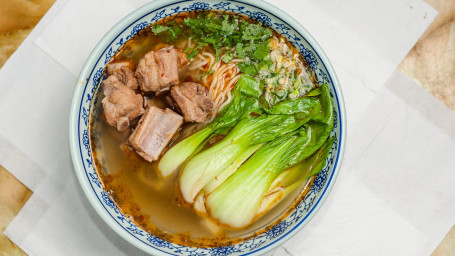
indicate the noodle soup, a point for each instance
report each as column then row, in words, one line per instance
column 266, row 105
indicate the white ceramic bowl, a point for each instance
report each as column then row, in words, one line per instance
column 87, row 86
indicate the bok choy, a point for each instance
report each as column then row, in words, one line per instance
column 275, row 170
column 290, row 179
column 266, row 153
column 203, row 167
column 237, row 202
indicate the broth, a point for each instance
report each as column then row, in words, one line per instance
column 151, row 201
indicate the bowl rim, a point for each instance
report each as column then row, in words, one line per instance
column 96, row 55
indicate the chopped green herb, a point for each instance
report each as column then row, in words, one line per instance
column 239, row 49
column 217, row 54
column 209, row 40
column 261, row 52
column 193, row 53
column 220, row 31
column 187, row 50
column 210, row 71
column 158, row 28
column 249, row 69
column 174, row 32
column 167, row 33
column 228, row 27
column 228, row 57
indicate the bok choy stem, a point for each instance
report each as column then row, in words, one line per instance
column 205, row 166
column 236, row 201
column 218, row 180
column 290, row 179
column 275, row 197
column 175, row 156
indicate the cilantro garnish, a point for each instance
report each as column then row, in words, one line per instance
column 228, row 57
column 158, row 28
column 219, row 31
column 168, row 33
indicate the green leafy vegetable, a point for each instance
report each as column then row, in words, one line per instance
column 302, row 105
column 175, row 156
column 249, row 69
column 239, row 50
column 242, row 197
column 261, row 52
column 203, row 167
column 315, row 92
column 158, row 28
column 228, row 57
column 237, row 200
column 218, row 180
column 292, row 178
column 249, row 86
column 259, row 183
column 168, row 33
column 326, row 113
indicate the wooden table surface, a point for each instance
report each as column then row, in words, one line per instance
column 431, row 63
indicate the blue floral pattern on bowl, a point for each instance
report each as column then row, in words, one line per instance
column 93, row 74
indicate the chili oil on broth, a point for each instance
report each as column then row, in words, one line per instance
column 152, row 202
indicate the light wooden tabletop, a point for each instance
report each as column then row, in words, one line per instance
column 431, row 63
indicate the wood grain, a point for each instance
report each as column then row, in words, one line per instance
column 432, row 60
column 431, row 63
column 13, row 195
column 17, row 19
